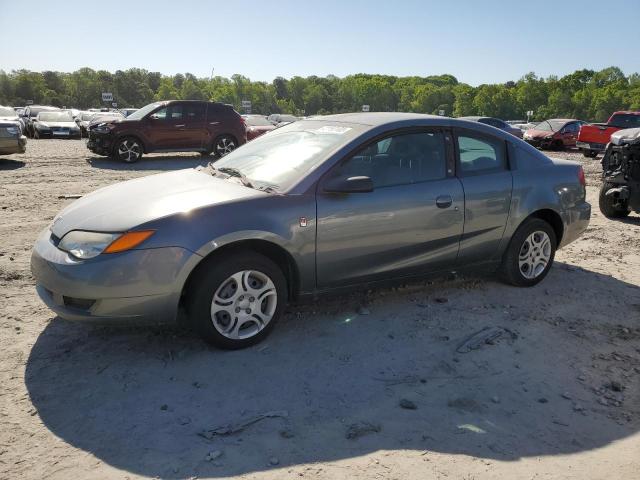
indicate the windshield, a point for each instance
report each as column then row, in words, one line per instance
column 282, row 158
column 138, row 114
column 7, row 112
column 550, row 126
column 625, row 120
column 55, row 117
column 257, row 122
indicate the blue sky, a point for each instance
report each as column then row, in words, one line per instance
column 482, row 41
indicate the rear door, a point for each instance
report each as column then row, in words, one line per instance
column 483, row 168
column 410, row 223
column 195, row 124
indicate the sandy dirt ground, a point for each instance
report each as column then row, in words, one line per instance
column 369, row 385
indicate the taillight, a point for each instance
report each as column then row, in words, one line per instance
column 581, row 178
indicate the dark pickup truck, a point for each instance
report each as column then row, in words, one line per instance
column 594, row 137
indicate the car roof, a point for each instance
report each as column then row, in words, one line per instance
column 566, row 120
column 376, row 118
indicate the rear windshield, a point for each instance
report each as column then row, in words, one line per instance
column 55, row 117
column 625, row 120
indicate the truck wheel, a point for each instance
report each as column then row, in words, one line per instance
column 590, row 153
column 610, row 206
column 234, row 302
column 530, row 253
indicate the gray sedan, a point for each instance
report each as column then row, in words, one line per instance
column 319, row 206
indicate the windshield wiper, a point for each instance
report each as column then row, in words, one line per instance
column 234, row 172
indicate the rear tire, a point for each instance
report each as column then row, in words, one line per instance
column 224, row 145
column 530, row 253
column 235, row 301
column 609, row 207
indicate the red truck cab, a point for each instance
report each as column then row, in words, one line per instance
column 593, row 137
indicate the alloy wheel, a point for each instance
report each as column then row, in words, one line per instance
column 224, row 146
column 129, row 151
column 244, row 304
column 535, row 254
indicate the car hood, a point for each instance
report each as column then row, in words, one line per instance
column 57, row 124
column 125, row 205
column 533, row 133
column 629, row 136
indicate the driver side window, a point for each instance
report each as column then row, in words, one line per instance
column 399, row 160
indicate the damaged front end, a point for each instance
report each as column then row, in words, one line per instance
column 620, row 192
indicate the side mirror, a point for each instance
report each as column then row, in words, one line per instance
column 349, row 185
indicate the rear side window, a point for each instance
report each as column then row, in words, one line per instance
column 195, row 112
column 479, row 154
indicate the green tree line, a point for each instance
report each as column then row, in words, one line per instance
column 584, row 94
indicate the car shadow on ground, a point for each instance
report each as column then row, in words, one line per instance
column 139, row 398
column 155, row 162
column 9, row 164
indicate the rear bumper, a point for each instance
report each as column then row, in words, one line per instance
column 9, row 146
column 138, row 284
column 576, row 221
column 598, row 147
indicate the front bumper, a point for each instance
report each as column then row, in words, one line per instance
column 597, row 147
column 100, row 143
column 138, row 284
column 541, row 143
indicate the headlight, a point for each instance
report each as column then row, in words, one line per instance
column 102, row 128
column 87, row 245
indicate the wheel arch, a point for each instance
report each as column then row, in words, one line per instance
column 276, row 253
column 120, row 136
column 553, row 218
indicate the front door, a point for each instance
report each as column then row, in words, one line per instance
column 483, row 169
column 410, row 223
column 167, row 128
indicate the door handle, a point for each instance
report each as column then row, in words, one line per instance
column 181, row 126
column 444, row 201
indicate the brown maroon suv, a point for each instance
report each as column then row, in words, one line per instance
column 170, row 126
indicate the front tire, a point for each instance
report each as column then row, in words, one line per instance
column 128, row 150
column 609, row 205
column 234, row 302
column 530, row 253
column 590, row 153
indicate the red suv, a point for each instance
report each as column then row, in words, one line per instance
column 170, row 126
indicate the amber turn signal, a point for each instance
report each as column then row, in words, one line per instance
column 128, row 240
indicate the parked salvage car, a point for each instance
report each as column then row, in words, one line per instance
column 257, row 125
column 319, row 206
column 280, row 119
column 594, row 137
column 170, row 126
column 54, row 124
column 554, row 134
column 85, row 119
column 30, row 114
column 8, row 114
column 620, row 191
column 11, row 138
column 496, row 122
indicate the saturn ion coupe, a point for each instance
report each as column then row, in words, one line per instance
column 319, row 206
